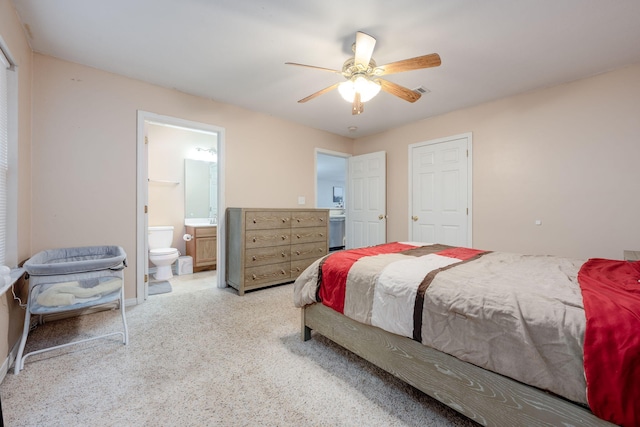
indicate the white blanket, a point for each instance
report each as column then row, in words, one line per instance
column 70, row 293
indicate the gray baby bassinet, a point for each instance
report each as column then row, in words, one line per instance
column 70, row 279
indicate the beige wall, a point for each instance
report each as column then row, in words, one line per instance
column 84, row 155
column 567, row 155
column 11, row 315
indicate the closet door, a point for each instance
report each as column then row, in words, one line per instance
column 440, row 191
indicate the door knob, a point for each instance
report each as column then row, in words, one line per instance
column 380, row 216
column 415, row 218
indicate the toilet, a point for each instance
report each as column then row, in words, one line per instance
column 161, row 254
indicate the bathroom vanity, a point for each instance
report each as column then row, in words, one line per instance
column 202, row 247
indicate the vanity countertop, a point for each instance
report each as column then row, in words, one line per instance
column 199, row 222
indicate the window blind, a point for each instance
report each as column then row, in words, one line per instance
column 4, row 158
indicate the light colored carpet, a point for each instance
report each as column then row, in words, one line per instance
column 208, row 357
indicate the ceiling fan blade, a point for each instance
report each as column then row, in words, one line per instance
column 318, row 93
column 358, row 106
column 313, row 66
column 424, row 61
column 364, row 49
column 399, row 91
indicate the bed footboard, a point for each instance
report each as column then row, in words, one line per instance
column 485, row 397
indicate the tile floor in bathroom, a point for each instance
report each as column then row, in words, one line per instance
column 191, row 282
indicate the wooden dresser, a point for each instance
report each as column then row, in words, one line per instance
column 202, row 247
column 272, row 246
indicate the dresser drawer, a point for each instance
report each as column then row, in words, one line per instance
column 276, row 273
column 313, row 250
column 306, row 235
column 268, row 255
column 309, row 219
column 260, row 220
column 297, row 267
column 262, row 238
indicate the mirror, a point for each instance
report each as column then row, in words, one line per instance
column 201, row 189
column 338, row 194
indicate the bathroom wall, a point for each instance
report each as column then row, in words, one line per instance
column 168, row 147
column 331, row 172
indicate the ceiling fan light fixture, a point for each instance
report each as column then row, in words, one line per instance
column 366, row 87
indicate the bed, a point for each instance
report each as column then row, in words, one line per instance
column 504, row 339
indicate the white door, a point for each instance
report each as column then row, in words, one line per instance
column 440, row 191
column 367, row 200
column 142, row 288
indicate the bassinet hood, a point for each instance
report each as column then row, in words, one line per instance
column 76, row 260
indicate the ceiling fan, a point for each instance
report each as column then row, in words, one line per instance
column 362, row 75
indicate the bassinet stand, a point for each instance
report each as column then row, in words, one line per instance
column 86, row 266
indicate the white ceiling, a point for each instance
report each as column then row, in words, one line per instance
column 233, row 51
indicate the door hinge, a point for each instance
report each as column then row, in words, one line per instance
column 146, row 209
column 467, row 153
column 146, row 278
column 467, row 211
column 146, row 139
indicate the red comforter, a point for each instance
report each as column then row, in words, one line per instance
column 611, row 296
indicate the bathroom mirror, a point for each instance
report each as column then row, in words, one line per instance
column 338, row 194
column 201, row 189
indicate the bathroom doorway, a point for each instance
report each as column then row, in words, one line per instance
column 163, row 196
column 331, row 193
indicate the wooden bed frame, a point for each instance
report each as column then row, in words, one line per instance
column 483, row 396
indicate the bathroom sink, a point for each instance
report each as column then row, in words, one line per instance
column 200, row 222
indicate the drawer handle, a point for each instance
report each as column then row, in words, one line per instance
column 284, row 237
column 283, row 255
column 297, row 252
column 298, row 236
column 321, row 235
column 320, row 250
column 298, row 219
column 283, row 272
column 255, row 221
column 284, row 220
column 254, row 276
column 254, row 240
column 321, row 219
column 254, row 258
